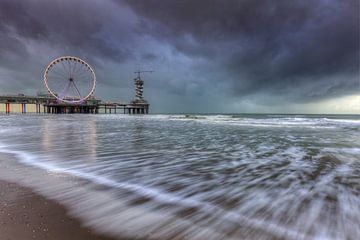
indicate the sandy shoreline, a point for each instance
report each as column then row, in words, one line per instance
column 40, row 204
column 26, row 215
column 36, row 203
column 78, row 206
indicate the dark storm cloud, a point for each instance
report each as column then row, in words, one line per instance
column 263, row 52
column 271, row 47
column 73, row 26
column 34, row 32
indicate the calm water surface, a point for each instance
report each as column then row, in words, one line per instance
column 237, row 176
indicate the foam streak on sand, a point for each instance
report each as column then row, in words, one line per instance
column 156, row 194
column 26, row 215
column 194, row 177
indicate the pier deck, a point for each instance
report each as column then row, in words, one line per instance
column 49, row 105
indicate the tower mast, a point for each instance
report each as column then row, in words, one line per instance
column 139, row 86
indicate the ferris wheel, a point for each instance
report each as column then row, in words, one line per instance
column 70, row 79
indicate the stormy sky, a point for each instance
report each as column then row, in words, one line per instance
column 213, row 56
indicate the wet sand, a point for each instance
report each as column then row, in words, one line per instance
column 26, row 215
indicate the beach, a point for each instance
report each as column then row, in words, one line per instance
column 27, row 215
column 180, row 176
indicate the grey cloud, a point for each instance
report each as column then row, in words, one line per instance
column 264, row 46
column 71, row 26
column 259, row 51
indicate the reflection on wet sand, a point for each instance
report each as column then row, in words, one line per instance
column 77, row 140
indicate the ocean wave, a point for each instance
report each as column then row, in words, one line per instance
column 158, row 196
column 102, row 208
column 277, row 121
column 168, row 176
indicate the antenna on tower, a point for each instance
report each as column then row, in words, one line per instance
column 139, row 73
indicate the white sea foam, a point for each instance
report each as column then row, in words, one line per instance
column 266, row 123
column 166, row 176
column 101, row 208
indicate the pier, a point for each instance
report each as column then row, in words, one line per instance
column 76, row 94
column 48, row 105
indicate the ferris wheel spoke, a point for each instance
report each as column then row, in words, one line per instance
column 72, row 65
column 56, row 85
column 75, row 68
column 69, row 65
column 77, row 90
column 57, row 77
column 79, row 69
column 82, row 71
column 57, row 73
column 74, row 92
column 86, row 80
column 70, row 68
column 65, row 91
column 66, row 70
column 82, row 76
column 83, row 80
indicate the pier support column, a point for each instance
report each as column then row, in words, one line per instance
column 23, row 107
column 7, row 108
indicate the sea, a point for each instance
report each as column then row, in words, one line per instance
column 225, row 176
